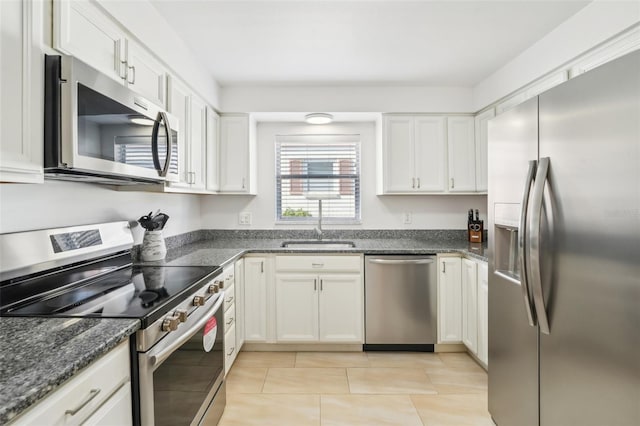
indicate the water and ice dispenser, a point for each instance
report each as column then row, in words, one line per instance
column 506, row 231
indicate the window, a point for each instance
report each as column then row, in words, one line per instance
column 309, row 167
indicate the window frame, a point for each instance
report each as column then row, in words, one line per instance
column 353, row 140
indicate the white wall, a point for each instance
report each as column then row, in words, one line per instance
column 592, row 25
column 378, row 212
column 346, row 99
column 54, row 204
column 143, row 20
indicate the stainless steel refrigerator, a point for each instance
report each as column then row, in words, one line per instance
column 564, row 254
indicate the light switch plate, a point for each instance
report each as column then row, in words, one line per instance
column 244, row 218
column 406, row 218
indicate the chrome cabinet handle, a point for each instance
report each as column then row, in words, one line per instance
column 453, row 183
column 133, row 69
column 243, row 183
column 229, row 300
column 535, row 223
column 418, row 183
column 123, row 76
column 317, row 265
column 92, row 394
column 321, row 281
column 262, row 267
column 402, row 261
column 231, row 351
column 230, row 321
column 444, row 267
column 524, row 281
column 413, row 183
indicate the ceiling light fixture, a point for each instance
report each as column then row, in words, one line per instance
column 141, row 120
column 318, row 118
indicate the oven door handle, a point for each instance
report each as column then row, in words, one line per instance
column 157, row 356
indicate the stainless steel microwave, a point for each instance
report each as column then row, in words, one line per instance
column 97, row 130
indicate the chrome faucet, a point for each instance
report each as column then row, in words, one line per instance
column 318, row 229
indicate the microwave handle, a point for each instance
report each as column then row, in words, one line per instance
column 162, row 171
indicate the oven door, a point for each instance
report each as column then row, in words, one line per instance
column 181, row 380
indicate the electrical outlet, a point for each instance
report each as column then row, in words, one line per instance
column 406, row 218
column 244, row 218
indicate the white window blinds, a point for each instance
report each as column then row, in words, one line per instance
column 312, row 166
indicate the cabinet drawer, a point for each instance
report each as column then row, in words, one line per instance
column 85, row 392
column 229, row 297
column 229, row 318
column 230, row 345
column 318, row 263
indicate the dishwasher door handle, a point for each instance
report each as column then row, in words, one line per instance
column 402, row 261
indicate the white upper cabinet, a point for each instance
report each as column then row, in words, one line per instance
column 198, row 144
column 145, row 74
column 82, row 30
column 413, row 154
column 429, row 153
column 237, row 154
column 213, row 150
column 482, row 159
column 462, row 154
column 179, row 106
column 21, row 85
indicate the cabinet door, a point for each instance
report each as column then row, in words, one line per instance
column 470, row 305
column 229, row 348
column 483, row 312
column 482, row 161
column 179, row 105
column 462, row 154
column 398, row 154
column 239, row 284
column 449, row 300
column 83, row 31
column 429, row 154
column 197, row 148
column 297, row 307
column 21, row 82
column 340, row 309
column 213, row 150
column 116, row 411
column 255, row 299
column 234, row 153
column 146, row 75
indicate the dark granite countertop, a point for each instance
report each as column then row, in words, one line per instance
column 37, row 355
column 223, row 251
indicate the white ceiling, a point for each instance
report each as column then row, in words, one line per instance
column 359, row 42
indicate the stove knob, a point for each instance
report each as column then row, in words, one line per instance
column 198, row 301
column 170, row 323
column 213, row 288
column 181, row 314
column 220, row 283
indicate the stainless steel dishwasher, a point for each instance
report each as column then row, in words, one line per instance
column 400, row 302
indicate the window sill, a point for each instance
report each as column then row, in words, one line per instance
column 315, row 222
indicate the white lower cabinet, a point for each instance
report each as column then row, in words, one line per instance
column 255, row 299
column 98, row 395
column 470, row 305
column 318, row 304
column 483, row 312
column 449, row 300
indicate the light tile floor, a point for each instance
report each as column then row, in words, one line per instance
column 356, row 388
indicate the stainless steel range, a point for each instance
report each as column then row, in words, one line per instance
column 86, row 271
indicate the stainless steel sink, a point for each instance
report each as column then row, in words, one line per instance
column 319, row 244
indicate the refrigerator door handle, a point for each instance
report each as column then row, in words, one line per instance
column 535, row 223
column 524, row 280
